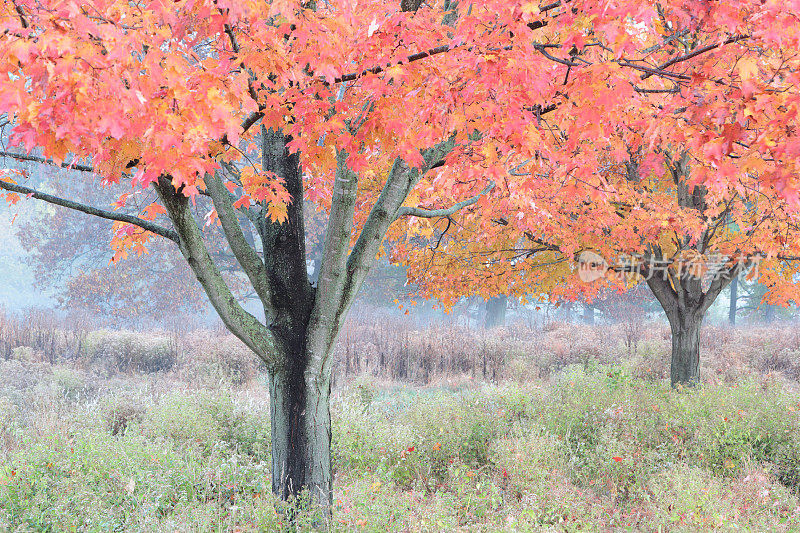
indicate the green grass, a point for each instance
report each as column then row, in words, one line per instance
column 593, row 449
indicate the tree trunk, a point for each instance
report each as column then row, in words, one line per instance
column 685, row 311
column 733, row 302
column 496, row 311
column 588, row 315
column 301, row 436
column 685, row 367
column 769, row 313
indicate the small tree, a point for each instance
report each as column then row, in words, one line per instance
column 693, row 158
column 685, row 241
column 630, row 309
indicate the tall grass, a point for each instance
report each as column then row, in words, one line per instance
column 595, row 449
column 439, row 428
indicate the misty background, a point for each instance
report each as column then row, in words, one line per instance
column 56, row 259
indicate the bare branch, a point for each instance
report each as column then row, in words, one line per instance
column 89, row 210
column 535, row 25
column 694, row 53
column 377, row 70
column 433, row 213
column 326, row 313
column 673, row 90
column 241, row 323
column 653, row 71
column 543, row 50
column 246, row 124
column 399, row 183
column 23, row 20
column 246, row 256
column 435, row 51
column 26, row 157
column 721, row 280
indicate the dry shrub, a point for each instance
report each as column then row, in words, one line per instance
column 731, row 353
column 395, row 349
column 119, row 412
column 26, row 354
column 45, row 337
column 210, row 357
column 129, row 351
column 22, row 375
column 756, row 488
column 71, row 384
column 571, row 344
column 786, row 362
column 653, row 365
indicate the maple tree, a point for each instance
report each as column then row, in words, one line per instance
column 392, row 121
column 690, row 169
column 686, row 241
column 69, row 253
column 687, row 244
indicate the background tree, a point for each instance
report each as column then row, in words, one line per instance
column 753, row 300
column 686, row 242
column 70, row 253
column 733, row 301
column 496, row 311
column 701, row 162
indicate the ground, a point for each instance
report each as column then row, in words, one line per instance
column 156, row 432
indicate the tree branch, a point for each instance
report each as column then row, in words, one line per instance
column 89, row 210
column 694, row 53
column 435, row 51
column 433, row 213
column 325, row 317
column 377, row 70
column 665, row 295
column 26, row 157
column 399, row 183
column 245, row 255
column 653, row 71
column 721, row 280
column 246, row 124
column 23, row 20
column 245, row 326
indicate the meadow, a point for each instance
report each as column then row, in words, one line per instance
column 566, row 427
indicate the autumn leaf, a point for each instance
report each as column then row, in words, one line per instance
column 152, row 211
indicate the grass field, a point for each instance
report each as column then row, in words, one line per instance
column 598, row 443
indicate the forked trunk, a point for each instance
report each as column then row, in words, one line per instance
column 685, row 367
column 685, row 311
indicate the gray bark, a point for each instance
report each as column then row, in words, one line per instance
column 685, row 304
column 301, row 438
column 734, row 301
column 496, row 311
column 685, row 363
column 685, row 316
column 241, row 323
